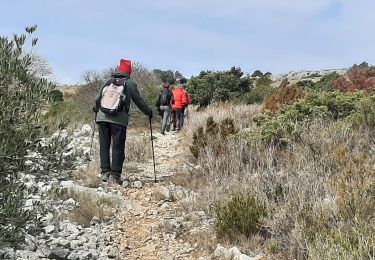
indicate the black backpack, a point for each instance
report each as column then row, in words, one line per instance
column 165, row 97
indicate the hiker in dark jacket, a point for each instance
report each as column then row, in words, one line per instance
column 114, row 126
column 163, row 105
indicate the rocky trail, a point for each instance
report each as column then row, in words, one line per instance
column 84, row 218
column 162, row 220
column 159, row 221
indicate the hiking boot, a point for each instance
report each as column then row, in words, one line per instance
column 105, row 176
column 116, row 177
column 115, row 180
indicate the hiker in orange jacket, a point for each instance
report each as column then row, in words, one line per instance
column 179, row 100
column 181, row 83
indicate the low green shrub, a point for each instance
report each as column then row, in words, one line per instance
column 313, row 75
column 305, row 84
column 56, row 96
column 150, row 94
column 13, row 215
column 214, row 86
column 256, row 95
column 364, row 116
column 24, row 99
column 239, row 215
column 332, row 106
column 325, row 84
column 68, row 113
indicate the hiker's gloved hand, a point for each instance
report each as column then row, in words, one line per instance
column 150, row 115
column 95, row 109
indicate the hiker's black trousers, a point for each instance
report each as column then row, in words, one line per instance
column 117, row 134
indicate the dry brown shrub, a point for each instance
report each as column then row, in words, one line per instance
column 138, row 146
column 354, row 184
column 242, row 116
column 357, row 78
column 214, row 133
column 192, row 180
column 204, row 241
column 89, row 175
column 89, row 206
column 284, row 95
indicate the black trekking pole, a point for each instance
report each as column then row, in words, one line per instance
column 92, row 140
column 153, row 152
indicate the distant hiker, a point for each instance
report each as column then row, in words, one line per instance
column 163, row 105
column 179, row 100
column 112, row 106
column 182, row 83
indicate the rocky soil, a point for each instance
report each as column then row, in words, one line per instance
column 306, row 74
column 145, row 220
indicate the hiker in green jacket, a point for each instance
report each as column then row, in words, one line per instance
column 112, row 105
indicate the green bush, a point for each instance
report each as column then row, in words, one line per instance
column 333, row 106
column 305, row 84
column 257, row 73
column 239, row 215
column 256, row 95
column 365, row 113
column 263, row 81
column 13, row 215
column 324, row 84
column 57, row 96
column 211, row 86
column 67, row 114
column 167, row 75
column 23, row 99
column 150, row 95
column 313, row 75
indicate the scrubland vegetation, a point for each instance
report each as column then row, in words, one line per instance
column 288, row 171
column 294, row 176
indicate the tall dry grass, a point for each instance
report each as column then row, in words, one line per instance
column 90, row 206
column 138, row 145
column 314, row 189
column 241, row 114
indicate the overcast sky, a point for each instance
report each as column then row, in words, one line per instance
column 190, row 36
